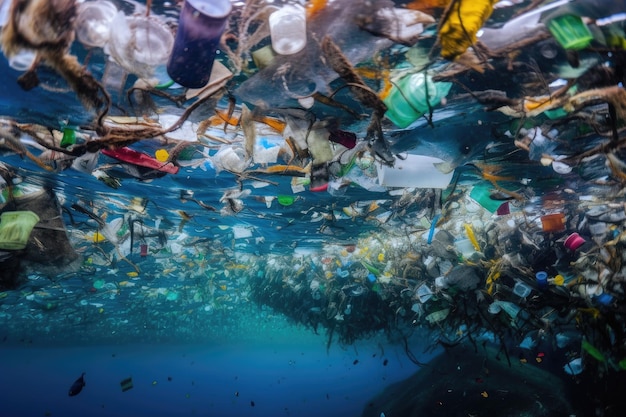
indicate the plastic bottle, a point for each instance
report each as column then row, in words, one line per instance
column 412, row 96
column 200, row 28
column 288, row 30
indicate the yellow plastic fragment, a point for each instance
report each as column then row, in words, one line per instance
column 97, row 237
column 132, row 274
column 471, row 236
column 460, row 24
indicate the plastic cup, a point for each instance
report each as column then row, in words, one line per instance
column 200, row 28
column 573, row 241
column 288, row 30
column 553, row 222
column 570, row 32
column 138, row 44
column 93, row 23
column 15, row 229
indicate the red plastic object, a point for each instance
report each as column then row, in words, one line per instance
column 573, row 241
column 503, row 209
column 319, row 188
column 140, row 159
column 347, row 139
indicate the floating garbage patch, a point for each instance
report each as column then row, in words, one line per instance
column 169, row 171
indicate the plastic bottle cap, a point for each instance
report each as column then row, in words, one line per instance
column 604, row 299
column 573, row 241
column 542, row 279
column 162, row 155
column 285, row 200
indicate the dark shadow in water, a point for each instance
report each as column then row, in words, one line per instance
column 462, row 383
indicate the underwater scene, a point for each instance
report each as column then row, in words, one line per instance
column 371, row 208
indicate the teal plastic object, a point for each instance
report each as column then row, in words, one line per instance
column 480, row 193
column 15, row 229
column 410, row 97
column 570, row 32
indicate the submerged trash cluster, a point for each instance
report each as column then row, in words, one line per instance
column 375, row 168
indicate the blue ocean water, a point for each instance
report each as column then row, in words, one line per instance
column 281, row 375
column 270, row 270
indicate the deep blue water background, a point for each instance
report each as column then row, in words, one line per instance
column 287, row 375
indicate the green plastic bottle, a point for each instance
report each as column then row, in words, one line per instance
column 410, row 97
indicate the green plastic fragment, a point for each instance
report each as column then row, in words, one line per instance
column 592, row 350
column 286, row 200
column 622, row 364
column 371, row 268
column 69, row 137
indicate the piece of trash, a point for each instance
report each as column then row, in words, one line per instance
column 126, row 384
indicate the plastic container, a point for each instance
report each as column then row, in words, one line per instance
column 22, row 60
column 542, row 279
column 521, row 290
column 200, row 28
column 553, row 222
column 570, row 32
column 416, row 171
column 573, row 241
column 288, row 30
column 139, row 44
column 465, row 247
column 15, row 229
column 93, row 23
column 410, row 97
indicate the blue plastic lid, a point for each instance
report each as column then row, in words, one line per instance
column 371, row 277
column 604, row 299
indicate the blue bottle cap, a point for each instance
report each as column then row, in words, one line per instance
column 542, row 279
column 604, row 299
